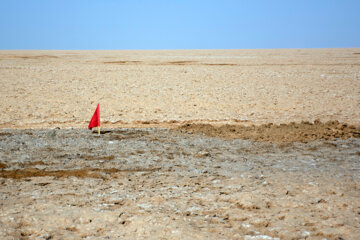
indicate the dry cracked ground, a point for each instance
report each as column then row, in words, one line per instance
column 174, row 184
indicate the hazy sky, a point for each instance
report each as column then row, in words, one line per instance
column 178, row 24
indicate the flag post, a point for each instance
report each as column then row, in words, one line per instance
column 99, row 130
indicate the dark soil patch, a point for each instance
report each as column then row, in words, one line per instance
column 91, row 157
column 5, row 134
column 123, row 134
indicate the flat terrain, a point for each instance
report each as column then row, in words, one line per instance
column 166, row 184
column 62, row 88
column 200, row 144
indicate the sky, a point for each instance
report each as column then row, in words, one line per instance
column 179, row 24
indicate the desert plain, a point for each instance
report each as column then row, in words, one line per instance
column 195, row 144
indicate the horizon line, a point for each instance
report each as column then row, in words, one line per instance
column 175, row 49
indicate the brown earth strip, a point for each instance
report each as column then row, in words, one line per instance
column 283, row 133
column 122, row 62
column 182, row 63
column 221, row 64
column 27, row 56
column 5, row 134
column 80, row 173
column 90, row 157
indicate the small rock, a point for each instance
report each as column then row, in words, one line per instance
column 259, row 237
column 305, row 234
column 51, row 133
column 202, row 154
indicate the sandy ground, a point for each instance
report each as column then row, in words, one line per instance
column 62, row 88
column 227, row 144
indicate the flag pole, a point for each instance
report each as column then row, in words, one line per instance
column 99, row 130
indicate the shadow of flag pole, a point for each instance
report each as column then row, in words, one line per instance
column 95, row 120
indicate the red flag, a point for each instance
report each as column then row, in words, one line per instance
column 95, row 120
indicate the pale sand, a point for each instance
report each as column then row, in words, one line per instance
column 61, row 88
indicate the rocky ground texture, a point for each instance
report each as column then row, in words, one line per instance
column 157, row 183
